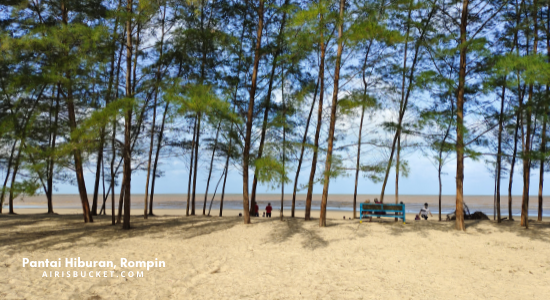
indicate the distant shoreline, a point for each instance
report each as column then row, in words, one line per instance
column 336, row 202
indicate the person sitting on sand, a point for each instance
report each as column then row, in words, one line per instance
column 417, row 218
column 424, row 211
column 263, row 216
column 268, row 210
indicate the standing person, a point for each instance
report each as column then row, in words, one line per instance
column 424, row 211
column 256, row 209
column 268, row 210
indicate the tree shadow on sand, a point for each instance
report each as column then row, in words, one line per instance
column 290, row 227
column 537, row 230
column 47, row 232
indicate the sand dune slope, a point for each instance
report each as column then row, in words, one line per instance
column 220, row 258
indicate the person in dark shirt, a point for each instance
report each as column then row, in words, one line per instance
column 256, row 209
column 268, row 210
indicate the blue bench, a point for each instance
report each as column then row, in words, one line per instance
column 374, row 210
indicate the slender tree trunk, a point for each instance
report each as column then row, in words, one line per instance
column 283, row 147
column 211, row 166
column 267, row 107
column 113, row 149
column 154, row 116
column 225, row 176
column 460, row 119
column 499, row 153
column 51, row 159
column 79, row 171
column 543, row 145
column 196, row 163
column 405, row 95
column 159, row 143
column 121, row 199
column 13, row 176
column 4, row 186
column 527, row 147
column 328, row 164
column 113, row 138
column 249, row 116
column 264, row 130
column 397, row 170
column 215, row 190
column 357, row 165
column 321, row 79
column 191, row 167
column 304, row 139
column 98, row 171
column 152, row 140
column 440, row 166
column 128, row 120
column 541, row 174
column 512, row 164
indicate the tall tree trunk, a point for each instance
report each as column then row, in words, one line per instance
column 267, row 106
column 159, row 143
column 121, row 197
column 22, row 137
column 51, row 163
column 128, row 120
column 357, row 166
column 499, row 151
column 543, row 145
column 191, row 167
column 113, row 136
column 527, row 147
column 440, row 165
column 13, row 176
column 8, row 172
column 321, row 79
column 249, row 116
column 512, row 164
column 264, row 129
column 225, row 175
column 211, row 166
column 98, row 171
column 541, row 174
column 79, row 171
column 215, row 190
column 460, row 119
column 283, row 147
column 154, row 115
column 196, row 163
column 113, row 149
column 304, row 139
column 328, row 164
column 405, row 95
column 397, row 170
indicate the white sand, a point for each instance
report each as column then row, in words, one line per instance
column 214, row 258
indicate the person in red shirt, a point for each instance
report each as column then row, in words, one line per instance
column 268, row 210
column 256, row 209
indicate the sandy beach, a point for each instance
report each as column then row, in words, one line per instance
column 215, row 258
